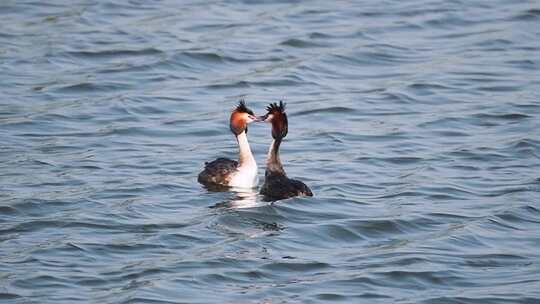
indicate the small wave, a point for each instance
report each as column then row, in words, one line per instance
column 331, row 297
column 451, row 133
column 204, row 56
column 275, row 82
column 289, row 81
column 494, row 43
column 500, row 88
column 493, row 260
column 296, row 266
column 520, row 216
column 229, row 85
column 525, row 64
column 299, row 43
column 8, row 210
column 496, row 224
column 398, row 97
column 131, row 68
column 474, row 155
column 449, row 216
column 464, row 34
column 421, row 279
column 88, row 87
column 106, row 123
column 8, row 296
column 319, row 35
column 477, row 299
column 34, row 207
column 42, row 282
column 427, row 88
column 376, row 228
column 329, row 110
column 339, row 233
column 403, row 160
column 196, row 58
column 449, row 22
column 504, row 116
column 525, row 144
column 114, row 53
column 367, row 58
column 528, row 15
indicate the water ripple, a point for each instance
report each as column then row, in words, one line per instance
column 413, row 122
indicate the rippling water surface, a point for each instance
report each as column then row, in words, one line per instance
column 416, row 124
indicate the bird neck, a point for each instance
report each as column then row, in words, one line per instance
column 273, row 163
column 246, row 157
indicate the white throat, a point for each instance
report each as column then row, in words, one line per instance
column 246, row 174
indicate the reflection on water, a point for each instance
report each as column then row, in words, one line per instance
column 242, row 198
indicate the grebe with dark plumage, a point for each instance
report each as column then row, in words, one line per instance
column 230, row 173
column 276, row 184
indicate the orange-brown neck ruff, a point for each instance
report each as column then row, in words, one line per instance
column 280, row 125
column 238, row 123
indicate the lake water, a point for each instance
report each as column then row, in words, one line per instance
column 415, row 123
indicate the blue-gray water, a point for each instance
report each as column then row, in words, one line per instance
column 415, row 123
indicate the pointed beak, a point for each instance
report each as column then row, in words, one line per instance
column 262, row 118
column 255, row 118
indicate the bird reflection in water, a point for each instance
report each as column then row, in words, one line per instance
column 241, row 198
column 244, row 199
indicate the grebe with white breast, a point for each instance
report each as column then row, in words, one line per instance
column 230, row 173
column 276, row 184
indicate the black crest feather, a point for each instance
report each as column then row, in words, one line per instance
column 243, row 108
column 280, row 124
column 274, row 107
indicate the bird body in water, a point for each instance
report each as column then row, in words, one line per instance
column 276, row 183
column 224, row 172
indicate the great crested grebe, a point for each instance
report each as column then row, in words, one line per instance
column 276, row 183
column 230, row 173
